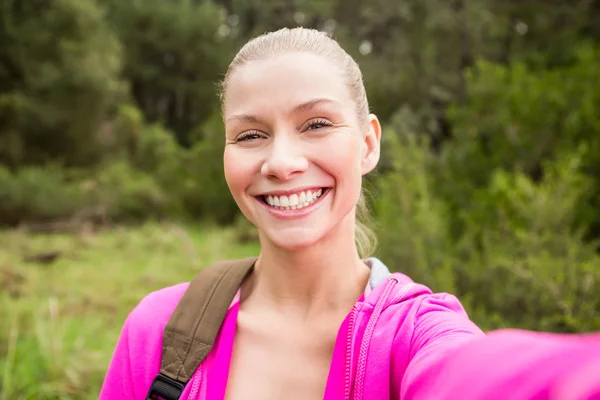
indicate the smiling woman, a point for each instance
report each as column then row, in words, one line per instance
column 292, row 126
column 315, row 318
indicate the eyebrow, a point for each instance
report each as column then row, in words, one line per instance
column 309, row 105
column 250, row 119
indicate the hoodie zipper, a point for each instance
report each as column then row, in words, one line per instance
column 366, row 341
column 196, row 383
column 402, row 292
column 348, row 381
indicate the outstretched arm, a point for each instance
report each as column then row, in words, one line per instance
column 448, row 362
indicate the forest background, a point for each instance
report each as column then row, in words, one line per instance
column 111, row 181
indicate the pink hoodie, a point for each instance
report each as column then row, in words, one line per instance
column 400, row 341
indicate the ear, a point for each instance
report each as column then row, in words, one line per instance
column 371, row 145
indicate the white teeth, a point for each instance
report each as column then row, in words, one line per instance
column 302, row 198
column 294, row 201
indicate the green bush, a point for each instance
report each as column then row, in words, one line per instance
column 532, row 266
column 413, row 227
column 192, row 178
column 112, row 193
column 37, row 194
column 520, row 260
column 119, row 192
column 517, row 119
column 505, row 215
column 205, row 191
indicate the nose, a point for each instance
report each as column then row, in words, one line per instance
column 285, row 159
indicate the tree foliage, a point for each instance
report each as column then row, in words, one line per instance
column 59, row 77
column 489, row 184
column 175, row 55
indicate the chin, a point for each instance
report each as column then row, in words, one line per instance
column 293, row 240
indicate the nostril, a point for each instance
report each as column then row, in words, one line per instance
column 284, row 166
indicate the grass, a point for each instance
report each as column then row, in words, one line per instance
column 59, row 320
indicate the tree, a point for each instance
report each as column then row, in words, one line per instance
column 175, row 56
column 59, row 77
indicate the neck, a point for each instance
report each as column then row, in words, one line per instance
column 328, row 276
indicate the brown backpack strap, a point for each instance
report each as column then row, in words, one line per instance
column 193, row 326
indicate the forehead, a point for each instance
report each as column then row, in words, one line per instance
column 282, row 82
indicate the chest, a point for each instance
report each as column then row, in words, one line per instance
column 278, row 360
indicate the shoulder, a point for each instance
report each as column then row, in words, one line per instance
column 428, row 317
column 137, row 355
column 142, row 332
column 440, row 325
column 416, row 329
column 414, row 311
column 155, row 309
column 423, row 301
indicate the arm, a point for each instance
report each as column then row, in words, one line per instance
column 118, row 383
column 448, row 362
column 441, row 326
column 137, row 356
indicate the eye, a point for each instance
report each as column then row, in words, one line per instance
column 317, row 124
column 248, row 136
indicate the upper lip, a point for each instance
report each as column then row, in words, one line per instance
column 291, row 191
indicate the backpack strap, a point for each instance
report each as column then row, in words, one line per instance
column 191, row 331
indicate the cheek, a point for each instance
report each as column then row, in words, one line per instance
column 343, row 156
column 237, row 174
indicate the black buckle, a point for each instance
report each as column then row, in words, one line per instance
column 165, row 388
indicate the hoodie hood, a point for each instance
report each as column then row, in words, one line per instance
column 404, row 286
column 387, row 300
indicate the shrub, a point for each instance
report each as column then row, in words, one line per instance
column 120, row 192
column 413, row 224
column 115, row 192
column 206, row 192
column 37, row 194
column 518, row 119
column 532, row 266
column 520, row 261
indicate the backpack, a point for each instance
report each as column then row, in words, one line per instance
column 192, row 328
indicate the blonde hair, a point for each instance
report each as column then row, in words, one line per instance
column 312, row 41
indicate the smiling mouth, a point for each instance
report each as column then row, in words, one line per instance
column 295, row 201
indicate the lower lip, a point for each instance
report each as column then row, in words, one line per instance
column 298, row 213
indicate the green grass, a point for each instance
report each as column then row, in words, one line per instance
column 59, row 321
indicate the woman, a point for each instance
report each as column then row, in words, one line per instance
column 315, row 319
